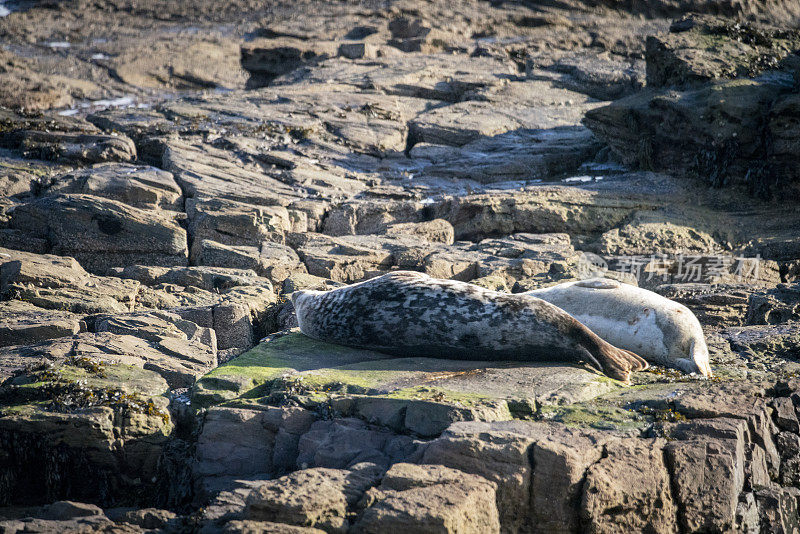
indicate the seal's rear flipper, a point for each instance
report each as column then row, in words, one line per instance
column 590, row 359
column 614, row 362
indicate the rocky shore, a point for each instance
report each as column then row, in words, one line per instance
column 170, row 172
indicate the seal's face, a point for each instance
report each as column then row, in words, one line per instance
column 300, row 301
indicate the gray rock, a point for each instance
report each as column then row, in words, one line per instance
column 354, row 258
column 179, row 364
column 62, row 510
column 778, row 509
column 543, row 210
column 778, row 305
column 271, row 260
column 713, row 304
column 740, row 402
column 700, row 48
column 194, row 346
column 266, row 59
column 203, row 171
column 420, row 76
column 704, row 475
column 75, row 147
column 238, row 443
column 602, row 76
column 265, row 527
column 148, row 518
column 60, row 283
column 522, row 154
column 91, row 412
column 539, row 468
column 235, row 223
column 343, row 443
column 135, row 185
column 786, row 415
column 23, row 178
column 102, row 233
column 82, row 524
column 208, row 278
column 688, row 130
column 465, row 122
column 23, row 323
column 435, row 231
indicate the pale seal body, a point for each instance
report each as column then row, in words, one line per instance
column 411, row 314
column 660, row 330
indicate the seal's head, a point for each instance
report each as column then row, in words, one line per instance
column 300, row 300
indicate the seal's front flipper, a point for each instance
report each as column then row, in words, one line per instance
column 699, row 359
column 598, row 283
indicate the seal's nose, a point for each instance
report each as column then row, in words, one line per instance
column 297, row 296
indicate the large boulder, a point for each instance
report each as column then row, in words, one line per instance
column 719, row 122
column 60, row 421
column 701, row 48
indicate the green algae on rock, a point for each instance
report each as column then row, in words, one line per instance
column 420, row 395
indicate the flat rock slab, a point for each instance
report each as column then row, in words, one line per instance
column 178, row 363
column 422, row 395
column 136, row 185
column 352, row 258
column 22, row 323
column 60, row 283
column 269, row 361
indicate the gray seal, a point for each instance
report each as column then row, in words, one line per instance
column 410, row 314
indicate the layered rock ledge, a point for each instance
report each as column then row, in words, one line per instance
column 171, row 172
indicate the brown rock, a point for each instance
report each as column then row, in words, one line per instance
column 629, row 489
column 60, row 283
column 312, row 497
column 74, row 147
column 704, row 477
column 430, row 498
column 138, row 186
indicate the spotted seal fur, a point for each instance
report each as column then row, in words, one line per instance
column 660, row 330
column 411, row 314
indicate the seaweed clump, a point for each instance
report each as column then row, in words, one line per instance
column 665, row 415
column 74, row 396
column 46, row 384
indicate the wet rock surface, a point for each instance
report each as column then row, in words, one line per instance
column 155, row 220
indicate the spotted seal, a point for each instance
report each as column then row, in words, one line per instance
column 655, row 327
column 411, row 314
